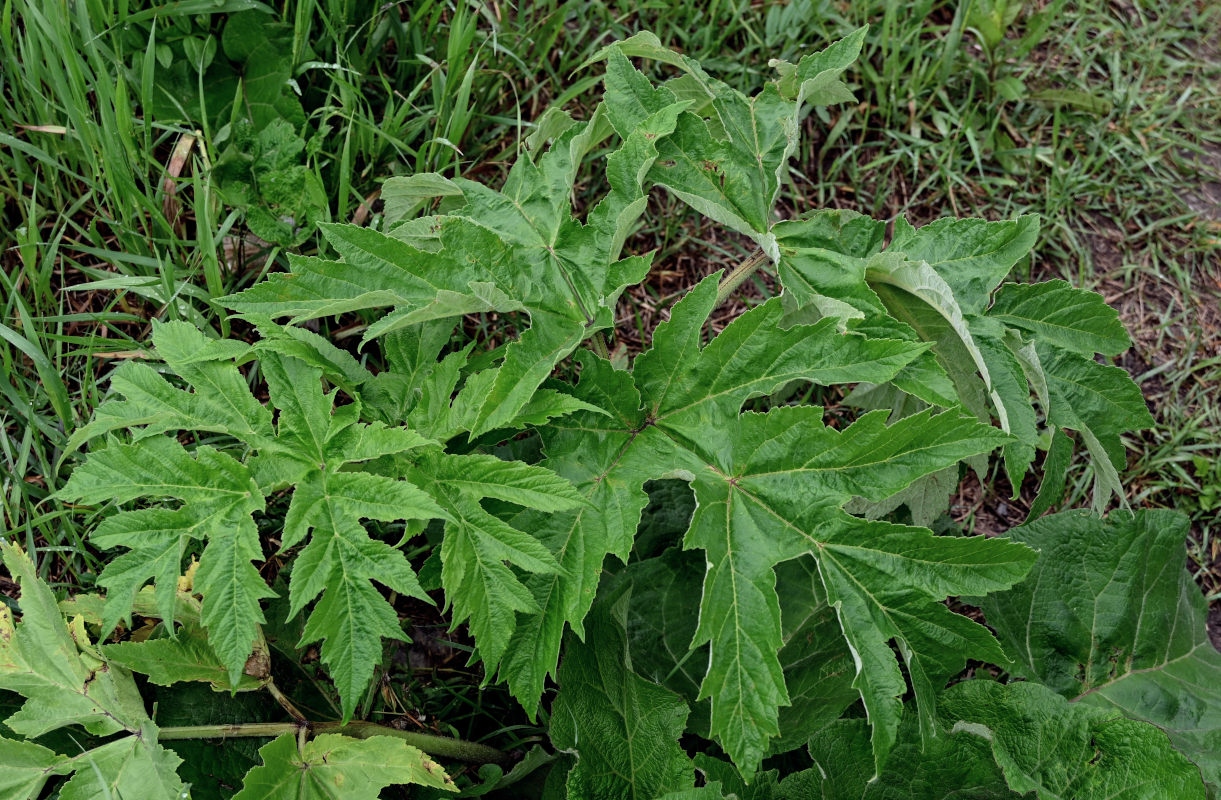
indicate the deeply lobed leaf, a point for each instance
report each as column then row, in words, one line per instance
column 759, row 505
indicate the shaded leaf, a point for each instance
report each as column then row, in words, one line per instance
column 1110, row 617
column 1059, row 750
column 623, row 729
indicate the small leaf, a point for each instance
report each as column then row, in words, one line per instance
column 25, row 768
column 971, row 255
column 41, row 661
column 64, row 681
column 188, row 657
column 1100, row 403
column 134, row 766
column 1060, row 315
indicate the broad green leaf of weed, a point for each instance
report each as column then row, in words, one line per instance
column 936, row 769
column 660, row 624
column 478, row 547
column 338, row 366
column 518, row 249
column 263, row 171
column 312, row 448
column 331, row 767
column 917, row 295
column 134, row 766
column 25, row 768
column 1006, row 742
column 823, row 260
column 728, row 166
column 1110, row 617
column 1100, row 403
column 1064, row 317
column 934, row 284
column 1012, row 390
column 221, row 401
column 315, row 443
column 769, row 488
column 42, row 662
column 817, row 663
column 1061, row 750
column 218, row 494
column 972, row 256
column 166, row 661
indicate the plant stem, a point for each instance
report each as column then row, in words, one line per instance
column 439, row 746
column 600, row 345
column 739, row 274
column 243, row 729
column 285, row 703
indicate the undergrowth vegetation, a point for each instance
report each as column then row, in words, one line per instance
column 508, row 402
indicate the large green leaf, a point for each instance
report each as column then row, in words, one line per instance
column 221, row 401
column 815, row 658
column 1110, row 617
column 610, row 457
column 218, row 496
column 313, row 447
column 41, row 661
column 318, row 444
column 954, row 766
column 1002, row 742
column 1060, row 315
column 25, row 768
column 1098, row 402
column 660, row 624
column 818, row 665
column 769, row 488
column 479, row 547
column 518, row 249
column 186, row 657
column 934, row 284
column 134, row 766
column 331, row 767
column 972, row 256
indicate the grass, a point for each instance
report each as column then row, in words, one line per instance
column 1103, row 118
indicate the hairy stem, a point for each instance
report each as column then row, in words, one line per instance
column 439, row 746
column 739, row 274
column 600, row 345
